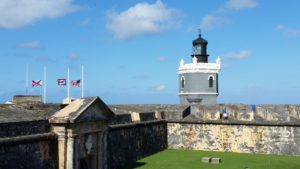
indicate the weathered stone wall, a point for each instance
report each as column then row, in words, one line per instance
column 168, row 111
column 288, row 114
column 242, row 138
column 266, row 129
column 121, row 119
column 277, row 113
column 38, row 154
column 27, row 99
column 27, row 144
column 24, row 128
column 128, row 143
column 147, row 116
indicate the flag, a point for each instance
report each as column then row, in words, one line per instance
column 36, row 83
column 62, row 82
column 75, row 83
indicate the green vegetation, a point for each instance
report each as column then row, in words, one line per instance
column 190, row 159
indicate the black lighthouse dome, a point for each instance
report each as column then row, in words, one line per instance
column 199, row 41
column 199, row 49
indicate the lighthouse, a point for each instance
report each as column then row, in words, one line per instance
column 198, row 80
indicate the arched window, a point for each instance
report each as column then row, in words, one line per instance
column 211, row 82
column 182, row 82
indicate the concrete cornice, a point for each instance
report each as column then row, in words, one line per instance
column 196, row 67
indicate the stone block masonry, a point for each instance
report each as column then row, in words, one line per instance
column 24, row 128
column 212, row 160
column 131, row 142
column 241, row 138
column 27, row 99
column 33, row 152
column 265, row 129
column 205, row 159
column 215, row 160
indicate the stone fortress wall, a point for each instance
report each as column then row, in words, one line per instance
column 137, row 131
column 28, row 144
column 131, row 142
column 264, row 129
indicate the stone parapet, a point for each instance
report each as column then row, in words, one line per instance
column 256, row 114
column 162, row 111
column 27, row 99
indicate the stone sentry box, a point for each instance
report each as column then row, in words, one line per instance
column 82, row 128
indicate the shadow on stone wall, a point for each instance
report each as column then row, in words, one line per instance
column 33, row 155
column 131, row 142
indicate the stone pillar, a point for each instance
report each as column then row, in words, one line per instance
column 158, row 115
column 100, row 153
column 61, row 150
column 135, row 116
column 104, row 148
column 70, row 150
column 76, row 153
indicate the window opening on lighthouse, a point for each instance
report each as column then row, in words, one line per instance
column 211, row 82
column 182, row 82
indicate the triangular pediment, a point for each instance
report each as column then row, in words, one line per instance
column 83, row 110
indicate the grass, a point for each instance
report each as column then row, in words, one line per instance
column 191, row 159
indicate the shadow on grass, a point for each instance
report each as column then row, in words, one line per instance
column 134, row 165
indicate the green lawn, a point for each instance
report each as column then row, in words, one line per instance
column 190, row 159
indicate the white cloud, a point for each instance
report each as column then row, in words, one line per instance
column 160, row 88
column 218, row 18
column 19, row 13
column 237, row 55
column 86, row 21
column 143, row 18
column 162, row 59
column 29, row 45
column 211, row 21
column 73, row 56
column 240, row 4
column 288, row 32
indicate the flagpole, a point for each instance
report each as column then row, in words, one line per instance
column 45, row 83
column 82, row 72
column 68, row 83
column 26, row 81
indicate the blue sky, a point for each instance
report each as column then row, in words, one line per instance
column 131, row 49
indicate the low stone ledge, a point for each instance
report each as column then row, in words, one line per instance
column 216, row 160
column 231, row 122
column 205, row 159
column 27, row 138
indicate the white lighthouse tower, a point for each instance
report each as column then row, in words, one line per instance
column 198, row 81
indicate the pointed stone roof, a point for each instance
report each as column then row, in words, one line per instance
column 84, row 109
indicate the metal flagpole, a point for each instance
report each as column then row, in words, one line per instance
column 68, row 83
column 27, row 81
column 82, row 89
column 45, row 83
